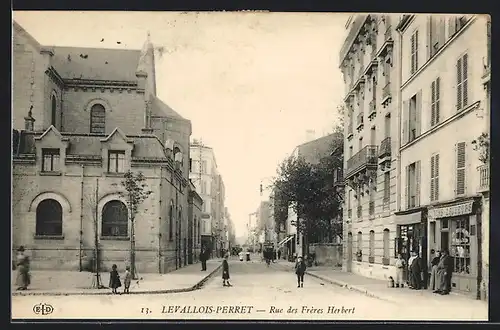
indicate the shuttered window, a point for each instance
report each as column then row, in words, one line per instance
column 460, row 188
column 435, row 98
column 414, row 53
column 462, row 84
column 434, row 178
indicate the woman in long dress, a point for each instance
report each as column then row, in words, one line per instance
column 225, row 272
column 434, row 263
column 23, row 268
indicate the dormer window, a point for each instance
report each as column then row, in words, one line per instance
column 51, row 160
column 116, row 161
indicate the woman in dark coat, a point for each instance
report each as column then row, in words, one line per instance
column 114, row 279
column 23, row 270
column 225, row 272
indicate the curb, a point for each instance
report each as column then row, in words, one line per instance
column 197, row 286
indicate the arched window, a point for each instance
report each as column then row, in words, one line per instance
column 53, row 110
column 385, row 260
column 114, row 219
column 371, row 255
column 170, row 220
column 98, row 119
column 49, row 218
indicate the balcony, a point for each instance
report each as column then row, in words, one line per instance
column 386, row 94
column 484, row 178
column 364, row 159
column 360, row 121
column 372, row 109
column 386, row 48
column 359, row 211
column 371, row 208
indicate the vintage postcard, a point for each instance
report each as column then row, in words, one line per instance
column 250, row 165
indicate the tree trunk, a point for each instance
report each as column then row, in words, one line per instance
column 132, row 250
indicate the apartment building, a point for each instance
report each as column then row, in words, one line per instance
column 210, row 186
column 444, row 107
column 368, row 62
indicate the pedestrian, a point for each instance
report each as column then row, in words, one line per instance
column 23, row 279
column 300, row 269
column 415, row 272
column 127, row 280
column 203, row 259
column 434, row 263
column 443, row 273
column 114, row 279
column 400, row 268
column 279, row 254
column 225, row 272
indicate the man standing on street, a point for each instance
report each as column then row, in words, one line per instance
column 203, row 259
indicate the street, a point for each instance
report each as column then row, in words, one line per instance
column 258, row 292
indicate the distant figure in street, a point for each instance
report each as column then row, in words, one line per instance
column 114, row 279
column 443, row 273
column 434, row 268
column 203, row 259
column 415, row 271
column 279, row 254
column 300, row 269
column 400, row 267
column 127, row 280
column 225, row 272
column 23, row 270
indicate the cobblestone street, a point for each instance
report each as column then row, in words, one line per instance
column 269, row 292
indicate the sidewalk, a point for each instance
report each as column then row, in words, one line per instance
column 379, row 289
column 57, row 283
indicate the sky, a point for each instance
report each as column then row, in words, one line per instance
column 251, row 83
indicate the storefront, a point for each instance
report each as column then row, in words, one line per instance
column 457, row 227
column 412, row 237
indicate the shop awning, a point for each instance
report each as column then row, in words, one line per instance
column 409, row 219
column 284, row 241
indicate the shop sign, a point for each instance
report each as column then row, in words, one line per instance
column 451, row 211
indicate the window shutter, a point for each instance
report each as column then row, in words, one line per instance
column 436, row 177
column 433, row 103
column 417, row 183
column 436, row 109
column 407, row 187
column 418, row 113
column 412, row 54
column 464, row 80
column 433, row 166
column 416, row 50
column 460, row 188
column 459, row 84
column 405, row 128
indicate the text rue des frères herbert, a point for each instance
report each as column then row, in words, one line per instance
column 248, row 309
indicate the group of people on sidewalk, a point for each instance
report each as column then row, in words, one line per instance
column 440, row 274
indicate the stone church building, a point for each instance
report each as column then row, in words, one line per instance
column 82, row 117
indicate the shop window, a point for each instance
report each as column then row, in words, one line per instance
column 460, row 245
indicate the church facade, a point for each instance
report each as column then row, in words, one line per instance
column 82, row 117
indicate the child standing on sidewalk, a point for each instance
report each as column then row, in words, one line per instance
column 300, row 269
column 114, row 279
column 127, row 280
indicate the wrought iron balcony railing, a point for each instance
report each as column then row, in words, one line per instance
column 363, row 158
column 484, row 177
column 385, row 147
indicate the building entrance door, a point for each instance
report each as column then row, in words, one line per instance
column 349, row 252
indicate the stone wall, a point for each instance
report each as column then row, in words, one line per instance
column 327, row 254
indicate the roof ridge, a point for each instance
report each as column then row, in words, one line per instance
column 96, row 48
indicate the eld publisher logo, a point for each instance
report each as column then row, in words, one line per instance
column 43, row 309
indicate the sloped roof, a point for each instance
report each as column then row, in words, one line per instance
column 145, row 146
column 160, row 109
column 96, row 63
column 315, row 150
